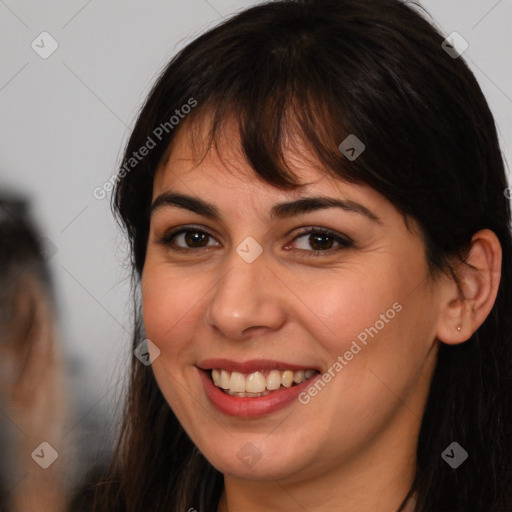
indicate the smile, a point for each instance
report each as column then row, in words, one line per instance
column 253, row 388
column 259, row 383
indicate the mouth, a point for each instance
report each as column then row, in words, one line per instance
column 254, row 388
column 258, row 383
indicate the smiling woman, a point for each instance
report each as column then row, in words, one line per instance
column 321, row 254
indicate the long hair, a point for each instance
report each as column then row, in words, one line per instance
column 318, row 71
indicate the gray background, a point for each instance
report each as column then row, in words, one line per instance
column 65, row 120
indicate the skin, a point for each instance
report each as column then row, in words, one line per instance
column 352, row 447
column 32, row 398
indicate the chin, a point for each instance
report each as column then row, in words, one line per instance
column 249, row 462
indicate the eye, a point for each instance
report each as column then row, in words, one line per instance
column 315, row 241
column 321, row 240
column 187, row 239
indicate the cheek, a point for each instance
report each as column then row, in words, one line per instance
column 375, row 329
column 384, row 334
column 169, row 307
column 348, row 307
column 168, row 304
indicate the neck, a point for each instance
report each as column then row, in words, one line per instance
column 277, row 497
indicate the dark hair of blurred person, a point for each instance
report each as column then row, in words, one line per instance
column 31, row 394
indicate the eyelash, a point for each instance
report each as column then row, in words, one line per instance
column 343, row 241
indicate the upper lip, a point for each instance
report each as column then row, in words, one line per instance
column 250, row 366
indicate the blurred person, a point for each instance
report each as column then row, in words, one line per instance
column 32, row 399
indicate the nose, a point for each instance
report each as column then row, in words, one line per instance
column 248, row 301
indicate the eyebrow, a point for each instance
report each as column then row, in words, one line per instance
column 279, row 210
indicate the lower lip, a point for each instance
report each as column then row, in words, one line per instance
column 246, row 407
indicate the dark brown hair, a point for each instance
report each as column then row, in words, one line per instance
column 319, row 70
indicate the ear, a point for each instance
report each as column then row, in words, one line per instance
column 468, row 300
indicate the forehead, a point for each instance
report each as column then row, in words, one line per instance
column 223, row 174
column 190, row 158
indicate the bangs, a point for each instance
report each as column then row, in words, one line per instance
column 278, row 123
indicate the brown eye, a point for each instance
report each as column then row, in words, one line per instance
column 196, row 238
column 188, row 239
column 317, row 241
column 320, row 241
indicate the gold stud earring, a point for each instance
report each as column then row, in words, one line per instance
column 458, row 328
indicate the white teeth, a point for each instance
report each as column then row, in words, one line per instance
column 256, row 384
column 224, row 379
column 287, row 378
column 299, row 377
column 216, row 377
column 251, row 395
column 274, row 380
column 237, row 382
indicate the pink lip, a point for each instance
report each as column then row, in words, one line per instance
column 246, row 407
column 253, row 365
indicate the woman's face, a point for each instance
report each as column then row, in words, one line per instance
column 255, row 287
